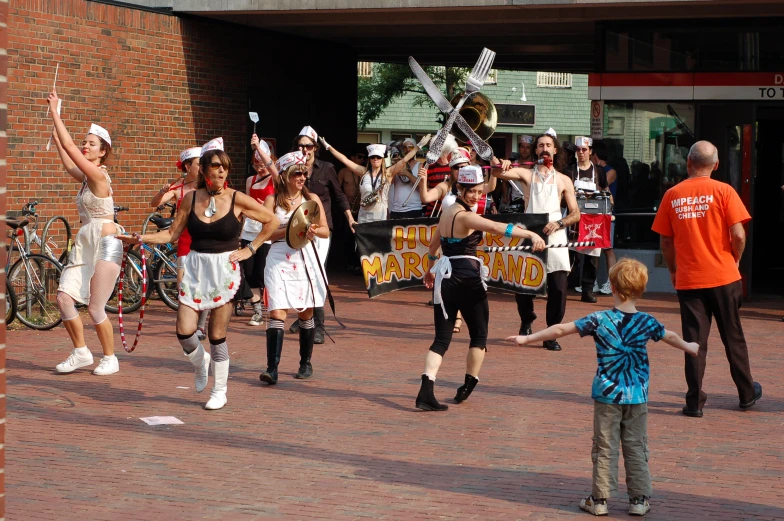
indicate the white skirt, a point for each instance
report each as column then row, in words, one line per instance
column 288, row 283
column 210, row 280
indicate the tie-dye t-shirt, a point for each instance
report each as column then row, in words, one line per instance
column 622, row 375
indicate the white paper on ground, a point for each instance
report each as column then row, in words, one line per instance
column 161, row 420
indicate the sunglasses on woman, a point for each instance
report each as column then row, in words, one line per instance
column 306, row 146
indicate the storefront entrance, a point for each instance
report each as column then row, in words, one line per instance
column 767, row 267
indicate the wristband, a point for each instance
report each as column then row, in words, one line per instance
column 432, row 257
column 251, row 248
column 509, row 228
column 267, row 165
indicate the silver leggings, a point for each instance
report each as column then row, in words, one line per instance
column 111, row 249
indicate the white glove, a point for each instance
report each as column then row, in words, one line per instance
column 423, row 141
column 324, row 143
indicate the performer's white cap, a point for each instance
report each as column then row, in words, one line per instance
column 376, row 150
column 461, row 155
column 470, row 175
column 100, row 132
column 450, row 145
column 525, row 138
column 265, row 147
column 582, row 141
column 551, row 132
column 213, row 144
column 290, row 159
column 308, row 131
column 409, row 141
column 189, row 153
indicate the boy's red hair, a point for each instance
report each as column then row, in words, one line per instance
column 628, row 278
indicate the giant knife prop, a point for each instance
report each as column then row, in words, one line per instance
column 482, row 148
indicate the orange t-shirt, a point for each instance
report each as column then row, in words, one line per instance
column 698, row 213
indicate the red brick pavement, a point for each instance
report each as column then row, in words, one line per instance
column 349, row 443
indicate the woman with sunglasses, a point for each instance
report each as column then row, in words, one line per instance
column 258, row 186
column 213, row 218
column 375, row 179
column 292, row 277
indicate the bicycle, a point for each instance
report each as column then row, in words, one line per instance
column 164, row 265
column 156, row 214
column 132, row 288
column 34, row 279
column 47, row 244
column 10, row 303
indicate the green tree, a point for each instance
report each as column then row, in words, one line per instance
column 389, row 81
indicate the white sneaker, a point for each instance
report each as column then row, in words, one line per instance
column 596, row 286
column 578, row 289
column 74, row 362
column 256, row 320
column 108, row 365
column 606, row 289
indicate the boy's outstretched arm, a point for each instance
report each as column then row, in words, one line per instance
column 677, row 342
column 551, row 333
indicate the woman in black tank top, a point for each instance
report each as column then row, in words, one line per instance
column 213, row 217
column 458, row 234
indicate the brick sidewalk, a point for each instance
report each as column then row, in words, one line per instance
column 349, row 444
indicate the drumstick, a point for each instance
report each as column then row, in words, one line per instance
column 581, row 244
column 56, row 70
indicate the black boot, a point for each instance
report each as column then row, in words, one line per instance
column 426, row 400
column 525, row 329
column 318, row 319
column 588, row 296
column 552, row 345
column 274, row 348
column 464, row 391
column 305, row 352
column 294, row 326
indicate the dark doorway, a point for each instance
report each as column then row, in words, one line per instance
column 768, row 267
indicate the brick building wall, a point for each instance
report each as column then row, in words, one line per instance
column 158, row 83
column 3, row 144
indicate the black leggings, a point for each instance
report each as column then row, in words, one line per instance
column 468, row 296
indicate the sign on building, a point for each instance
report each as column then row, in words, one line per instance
column 597, row 120
column 514, row 114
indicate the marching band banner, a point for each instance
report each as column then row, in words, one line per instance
column 393, row 255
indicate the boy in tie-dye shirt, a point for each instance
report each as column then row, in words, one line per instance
column 620, row 387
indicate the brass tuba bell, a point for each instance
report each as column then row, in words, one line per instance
column 480, row 114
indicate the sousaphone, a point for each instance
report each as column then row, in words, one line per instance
column 480, row 114
column 297, row 230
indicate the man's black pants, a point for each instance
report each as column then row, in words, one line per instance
column 698, row 306
column 556, row 300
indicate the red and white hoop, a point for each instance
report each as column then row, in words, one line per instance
column 120, row 297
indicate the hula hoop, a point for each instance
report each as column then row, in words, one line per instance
column 120, row 297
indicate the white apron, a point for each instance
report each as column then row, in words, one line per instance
column 285, row 276
column 544, row 198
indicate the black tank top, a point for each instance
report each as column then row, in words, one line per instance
column 216, row 237
column 452, row 247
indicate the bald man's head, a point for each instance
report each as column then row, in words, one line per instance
column 703, row 157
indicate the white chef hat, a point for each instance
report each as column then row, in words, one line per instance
column 376, row 150
column 551, row 132
column 470, row 175
column 308, row 131
column 213, row 144
column 188, row 153
column 461, row 155
column 450, row 145
column 582, row 141
column 525, row 138
column 265, row 147
column 409, row 141
column 290, row 159
column 100, row 132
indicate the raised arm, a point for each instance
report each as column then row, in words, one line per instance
column 678, row 343
column 268, row 162
column 551, row 333
column 399, row 166
column 164, row 195
column 357, row 169
column 434, row 194
column 69, row 165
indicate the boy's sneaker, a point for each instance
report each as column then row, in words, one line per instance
column 597, row 507
column 639, row 506
column 108, row 365
column 606, row 289
column 75, row 361
column 579, row 289
column 255, row 320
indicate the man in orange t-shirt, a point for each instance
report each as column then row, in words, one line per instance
column 700, row 221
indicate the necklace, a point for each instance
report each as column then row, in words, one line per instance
column 211, row 208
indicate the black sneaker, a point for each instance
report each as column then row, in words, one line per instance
column 757, row 396
column 525, row 329
column 692, row 413
column 552, row 345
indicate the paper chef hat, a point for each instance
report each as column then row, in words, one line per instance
column 551, row 132
column 409, row 141
column 188, row 153
column 526, row 139
column 582, row 141
column 461, row 155
column 100, row 132
column 470, row 175
column 213, row 144
column 376, row 150
column 265, row 147
column 291, row 159
column 308, row 131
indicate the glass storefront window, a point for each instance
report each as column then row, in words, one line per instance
column 648, row 144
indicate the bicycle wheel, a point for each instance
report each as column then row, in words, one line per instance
column 10, row 303
column 34, row 280
column 146, row 222
column 165, row 278
column 56, row 239
column 132, row 288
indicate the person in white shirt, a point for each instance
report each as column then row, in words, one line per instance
column 404, row 201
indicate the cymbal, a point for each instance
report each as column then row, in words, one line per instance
column 296, row 231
